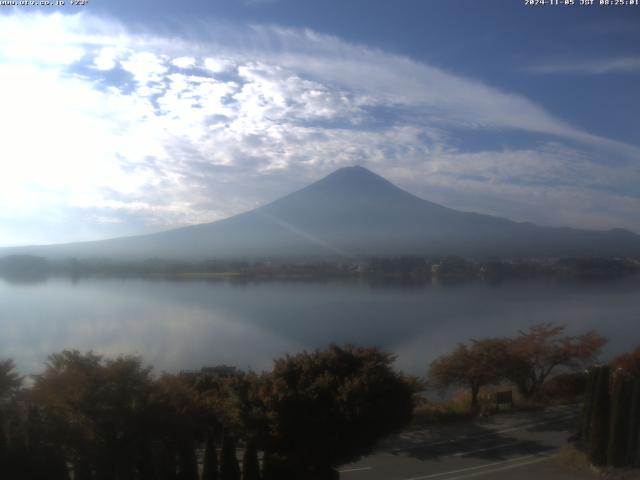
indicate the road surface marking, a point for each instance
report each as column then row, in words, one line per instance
column 484, row 449
column 529, row 425
column 468, row 469
column 497, row 470
column 355, row 469
column 462, row 438
column 478, row 467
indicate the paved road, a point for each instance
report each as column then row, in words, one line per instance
column 509, row 446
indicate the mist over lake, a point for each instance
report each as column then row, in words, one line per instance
column 178, row 325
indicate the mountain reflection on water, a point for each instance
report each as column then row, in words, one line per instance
column 186, row 324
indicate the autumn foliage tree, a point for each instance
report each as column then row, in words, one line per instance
column 527, row 360
column 89, row 417
column 95, row 409
column 629, row 363
column 243, row 409
column 545, row 348
column 472, row 366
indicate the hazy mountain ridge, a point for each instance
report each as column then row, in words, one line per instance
column 353, row 212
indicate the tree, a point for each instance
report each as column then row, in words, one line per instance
column 242, row 408
column 629, row 363
column 10, row 384
column 587, row 409
column 599, row 424
column 210, row 466
column 95, row 409
column 619, row 422
column 627, row 366
column 10, row 381
column 633, row 455
column 481, row 363
column 229, row 468
column 177, row 419
column 188, row 462
column 277, row 467
column 542, row 349
column 250, row 465
column 329, row 407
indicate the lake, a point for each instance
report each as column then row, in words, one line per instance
column 187, row 324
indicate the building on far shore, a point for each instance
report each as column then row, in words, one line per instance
column 218, row 372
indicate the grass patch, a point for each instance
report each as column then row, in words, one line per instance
column 569, row 457
column 457, row 407
column 439, row 412
column 572, row 458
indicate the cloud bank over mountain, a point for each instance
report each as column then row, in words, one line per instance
column 112, row 130
column 351, row 213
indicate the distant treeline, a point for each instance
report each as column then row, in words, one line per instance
column 411, row 268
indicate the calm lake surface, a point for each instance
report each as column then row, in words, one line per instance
column 187, row 324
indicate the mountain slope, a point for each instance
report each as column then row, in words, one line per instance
column 355, row 212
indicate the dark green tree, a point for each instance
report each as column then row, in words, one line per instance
column 45, row 460
column 277, row 467
column 250, row 464
column 619, row 424
column 175, row 417
column 187, row 462
column 167, row 464
column 599, row 424
column 10, row 381
column 146, row 468
column 10, row 384
column 82, row 470
column 326, row 408
column 587, row 409
column 210, row 467
column 52, row 463
column 629, row 363
column 633, row 452
column 229, row 468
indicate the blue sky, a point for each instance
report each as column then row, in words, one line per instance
column 121, row 118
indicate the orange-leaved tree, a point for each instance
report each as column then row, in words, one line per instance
column 544, row 348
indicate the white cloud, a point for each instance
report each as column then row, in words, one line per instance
column 599, row 66
column 551, row 185
column 184, row 62
column 217, row 65
column 162, row 131
column 108, row 57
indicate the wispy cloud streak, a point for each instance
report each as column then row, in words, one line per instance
column 589, row 67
